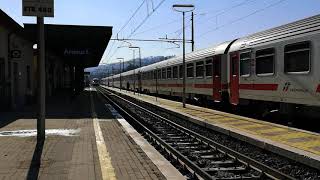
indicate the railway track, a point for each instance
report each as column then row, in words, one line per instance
column 193, row 154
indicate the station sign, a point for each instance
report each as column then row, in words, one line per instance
column 39, row 8
column 76, row 52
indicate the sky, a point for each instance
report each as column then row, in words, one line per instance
column 215, row 21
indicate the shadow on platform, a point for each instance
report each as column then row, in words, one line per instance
column 35, row 165
column 61, row 106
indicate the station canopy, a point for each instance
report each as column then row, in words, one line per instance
column 79, row 45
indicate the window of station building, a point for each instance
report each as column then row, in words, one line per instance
column 199, row 69
column 208, row 67
column 9, row 69
column 245, row 63
column 175, row 72
column 297, row 58
column 190, row 73
column 265, row 61
column 28, row 78
column 164, row 75
column 180, row 71
column 2, row 70
column 169, row 73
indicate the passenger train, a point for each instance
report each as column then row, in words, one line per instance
column 279, row 67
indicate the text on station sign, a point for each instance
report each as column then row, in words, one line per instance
column 39, row 8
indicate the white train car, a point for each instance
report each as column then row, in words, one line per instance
column 278, row 65
column 205, row 72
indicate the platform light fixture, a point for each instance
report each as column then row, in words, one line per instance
column 121, row 71
column 136, row 47
column 183, row 8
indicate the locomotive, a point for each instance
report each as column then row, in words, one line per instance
column 279, row 67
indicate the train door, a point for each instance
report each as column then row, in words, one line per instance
column 234, row 78
column 216, row 77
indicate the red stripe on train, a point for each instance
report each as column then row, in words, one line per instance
column 263, row 87
column 204, row 86
column 318, row 89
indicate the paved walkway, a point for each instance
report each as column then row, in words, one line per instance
column 62, row 156
column 70, row 150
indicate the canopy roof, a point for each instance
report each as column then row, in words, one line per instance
column 80, row 45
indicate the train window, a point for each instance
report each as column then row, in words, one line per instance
column 154, row 74
column 245, row 63
column 164, row 74
column 175, row 72
column 169, row 75
column 159, row 74
column 199, row 69
column 190, row 70
column 180, row 71
column 297, row 57
column 265, row 61
column 209, row 68
column 150, row 75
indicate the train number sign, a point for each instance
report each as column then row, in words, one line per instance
column 39, row 8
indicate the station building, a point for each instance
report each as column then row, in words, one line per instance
column 69, row 50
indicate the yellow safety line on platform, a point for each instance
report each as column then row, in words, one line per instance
column 107, row 169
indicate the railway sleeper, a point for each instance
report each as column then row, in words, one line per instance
column 224, row 163
column 174, row 144
column 238, row 169
column 164, row 137
column 169, row 140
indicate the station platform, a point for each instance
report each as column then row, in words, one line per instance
column 300, row 145
column 85, row 139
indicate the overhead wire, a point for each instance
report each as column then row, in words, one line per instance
column 140, row 25
column 127, row 22
column 179, row 31
column 135, row 12
column 221, row 12
column 242, row 18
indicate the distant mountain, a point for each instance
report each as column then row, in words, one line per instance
column 106, row 69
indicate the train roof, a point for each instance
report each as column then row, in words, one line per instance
column 199, row 54
column 287, row 31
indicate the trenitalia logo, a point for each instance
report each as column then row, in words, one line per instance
column 286, row 86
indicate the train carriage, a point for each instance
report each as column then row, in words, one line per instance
column 277, row 65
column 205, row 74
